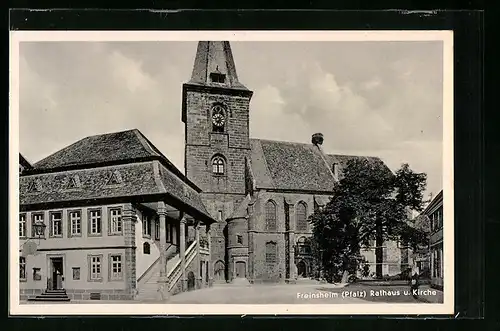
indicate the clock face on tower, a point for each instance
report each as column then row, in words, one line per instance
column 218, row 117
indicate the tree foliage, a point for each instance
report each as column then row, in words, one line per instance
column 369, row 203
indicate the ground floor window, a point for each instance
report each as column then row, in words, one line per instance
column 116, row 267
column 76, row 273
column 37, row 274
column 95, row 268
column 437, row 261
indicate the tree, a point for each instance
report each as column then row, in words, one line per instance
column 369, row 203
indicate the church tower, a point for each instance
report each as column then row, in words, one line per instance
column 215, row 111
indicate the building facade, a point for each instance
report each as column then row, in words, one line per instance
column 434, row 213
column 111, row 218
column 261, row 192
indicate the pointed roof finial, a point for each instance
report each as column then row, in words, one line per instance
column 215, row 57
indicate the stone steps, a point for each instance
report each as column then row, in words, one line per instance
column 51, row 295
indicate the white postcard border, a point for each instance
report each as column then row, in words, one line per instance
column 447, row 307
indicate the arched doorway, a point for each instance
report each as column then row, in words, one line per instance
column 191, row 281
column 301, row 269
column 219, row 271
column 240, row 269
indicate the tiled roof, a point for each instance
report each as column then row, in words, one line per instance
column 141, row 179
column 296, row 166
column 111, row 147
column 92, row 157
column 436, row 202
column 289, row 166
column 241, row 210
column 343, row 160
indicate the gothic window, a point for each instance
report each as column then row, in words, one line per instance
column 218, row 165
column 271, row 252
column 270, row 215
column 301, row 217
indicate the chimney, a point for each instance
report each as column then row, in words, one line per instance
column 317, row 139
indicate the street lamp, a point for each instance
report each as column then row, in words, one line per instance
column 39, row 229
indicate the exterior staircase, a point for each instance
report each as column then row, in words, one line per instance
column 51, row 295
column 147, row 284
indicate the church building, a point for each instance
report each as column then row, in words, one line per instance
column 260, row 191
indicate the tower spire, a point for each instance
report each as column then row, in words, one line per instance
column 214, row 66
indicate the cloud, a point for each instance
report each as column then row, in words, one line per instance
column 336, row 110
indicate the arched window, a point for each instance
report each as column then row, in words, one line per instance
column 301, row 217
column 146, row 248
column 270, row 215
column 304, row 245
column 271, row 252
column 218, row 165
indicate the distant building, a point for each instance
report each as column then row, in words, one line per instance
column 396, row 258
column 23, row 164
column 434, row 212
column 120, row 223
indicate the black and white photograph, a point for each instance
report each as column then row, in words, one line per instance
column 231, row 172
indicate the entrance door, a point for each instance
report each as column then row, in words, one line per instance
column 219, row 271
column 57, row 272
column 190, row 281
column 301, row 269
column 240, row 269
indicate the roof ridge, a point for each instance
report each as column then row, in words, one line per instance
column 78, row 141
column 323, row 157
column 282, row 142
column 264, row 158
column 353, row 155
column 145, row 142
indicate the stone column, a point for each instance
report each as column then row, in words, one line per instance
column 128, row 220
column 163, row 237
column 182, row 255
column 209, row 261
column 163, row 280
column 198, row 257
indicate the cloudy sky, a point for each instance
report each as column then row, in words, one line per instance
column 368, row 98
